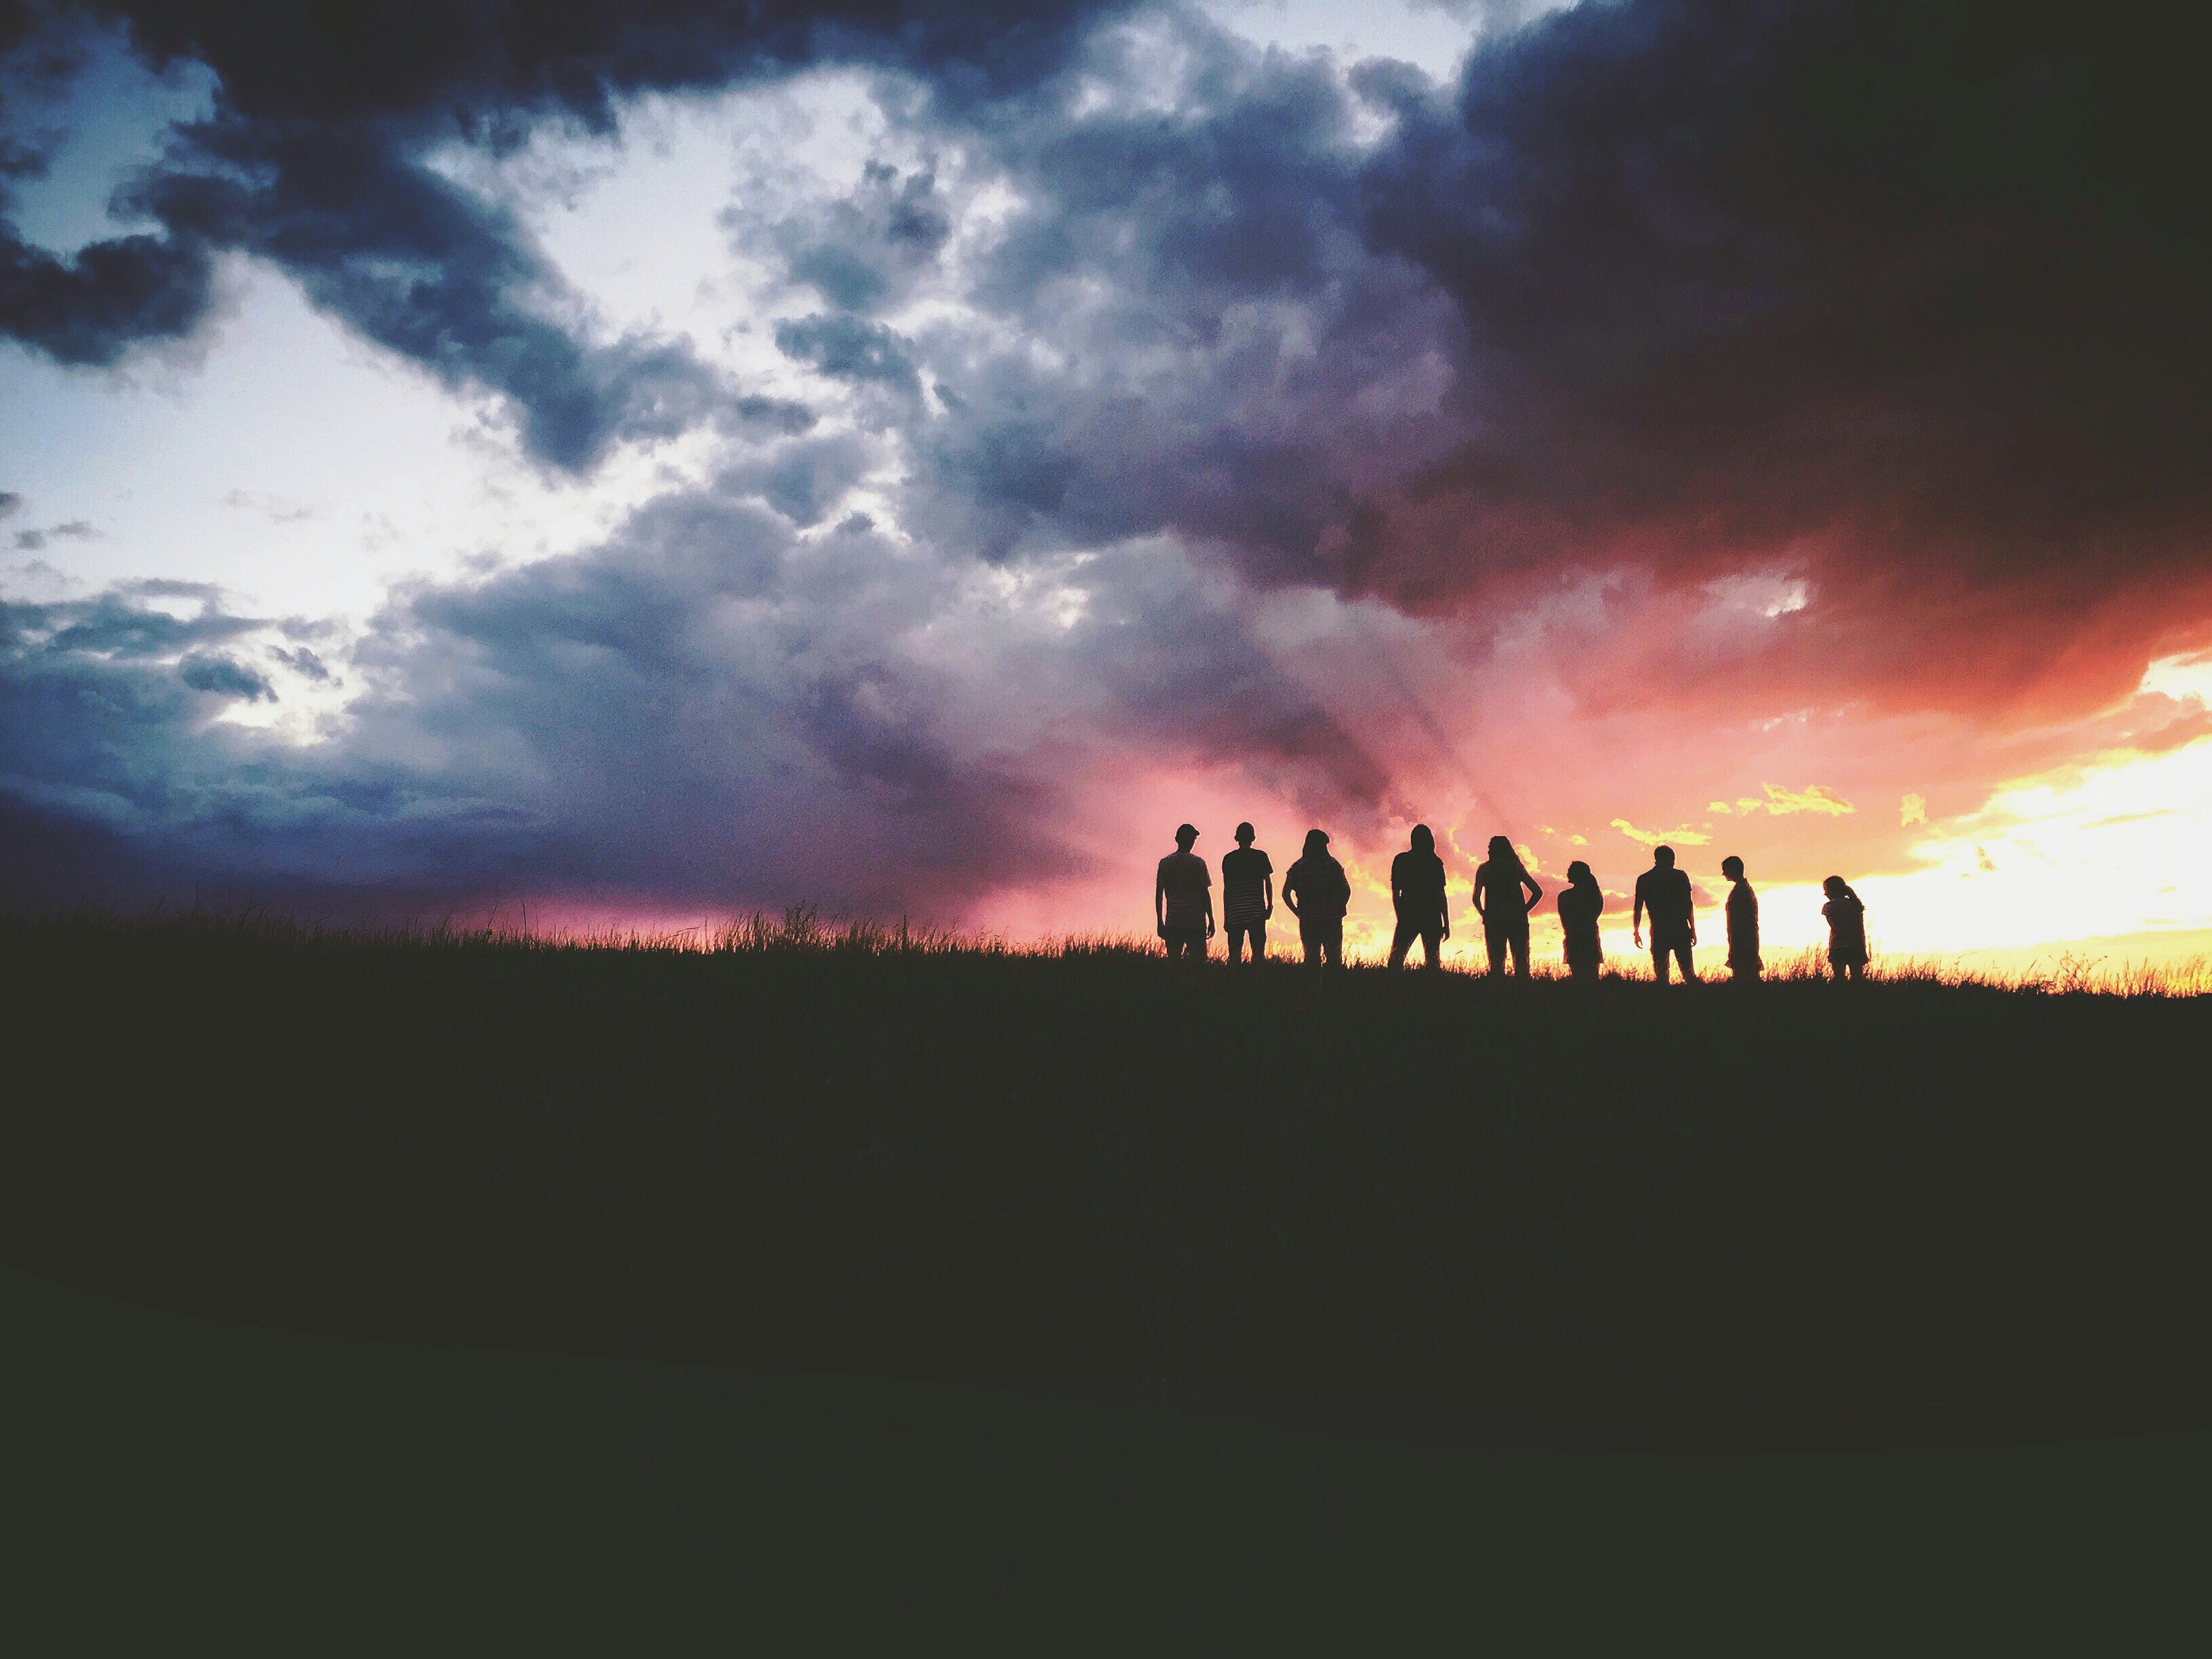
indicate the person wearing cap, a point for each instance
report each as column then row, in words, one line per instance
column 1248, row 895
column 1182, row 900
column 1318, row 892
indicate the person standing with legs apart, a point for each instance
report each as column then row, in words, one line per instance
column 1417, row 891
column 1505, row 893
column 1664, row 891
column 1847, row 945
column 1248, row 895
column 1318, row 892
column 1182, row 900
column 1744, row 965
column 1581, row 902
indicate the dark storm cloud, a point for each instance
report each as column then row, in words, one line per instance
column 312, row 159
column 869, row 248
column 224, row 677
column 1918, row 285
column 1907, row 300
column 32, row 541
column 850, row 349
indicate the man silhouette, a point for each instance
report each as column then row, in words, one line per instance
column 1744, row 965
column 1248, row 895
column 1417, row 891
column 1318, row 891
column 1182, row 900
column 1505, row 893
column 1664, row 891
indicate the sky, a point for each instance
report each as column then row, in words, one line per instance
column 640, row 463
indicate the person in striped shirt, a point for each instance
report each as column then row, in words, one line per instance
column 1248, row 895
column 1183, row 899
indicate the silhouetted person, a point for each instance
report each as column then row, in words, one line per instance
column 1504, row 894
column 1664, row 893
column 1183, row 899
column 1318, row 891
column 1847, row 945
column 1417, row 892
column 1248, row 895
column 1581, row 903
column 1744, row 965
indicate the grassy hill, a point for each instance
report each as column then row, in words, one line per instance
column 1909, row 1208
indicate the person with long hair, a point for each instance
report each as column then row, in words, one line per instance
column 1505, row 893
column 1417, row 893
column 1847, row 945
column 1582, row 902
column 1744, row 965
column 1318, row 892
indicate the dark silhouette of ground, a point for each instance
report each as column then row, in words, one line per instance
column 1599, row 1206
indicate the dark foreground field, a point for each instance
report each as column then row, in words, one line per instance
column 1799, row 1216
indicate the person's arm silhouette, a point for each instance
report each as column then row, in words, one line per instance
column 1636, row 921
column 1160, row 901
column 1475, row 895
column 1267, row 895
column 1290, row 887
column 1535, row 893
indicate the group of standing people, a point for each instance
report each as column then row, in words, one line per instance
column 1318, row 893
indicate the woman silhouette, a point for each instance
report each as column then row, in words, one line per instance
column 1500, row 882
column 1417, row 892
column 1847, row 945
column 1581, row 902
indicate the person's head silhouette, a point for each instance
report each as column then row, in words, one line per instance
column 1184, row 836
column 1423, row 839
column 1835, row 887
column 1663, row 857
column 1244, row 835
column 1316, row 843
column 1579, row 875
column 1501, row 847
column 1732, row 867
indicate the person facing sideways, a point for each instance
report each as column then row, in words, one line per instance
column 1500, row 883
column 1744, row 965
column 1317, row 891
column 1847, row 946
column 1664, row 892
column 1183, row 899
column 1248, row 895
column 1581, row 903
column 1417, row 891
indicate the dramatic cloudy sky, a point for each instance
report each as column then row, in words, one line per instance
column 651, row 460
